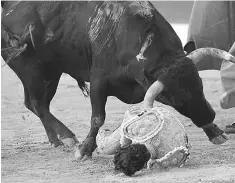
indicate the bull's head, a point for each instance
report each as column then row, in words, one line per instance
column 182, row 88
column 196, row 56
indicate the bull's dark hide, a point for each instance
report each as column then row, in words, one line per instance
column 98, row 42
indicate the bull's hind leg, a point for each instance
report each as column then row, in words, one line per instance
column 51, row 134
column 98, row 97
column 40, row 83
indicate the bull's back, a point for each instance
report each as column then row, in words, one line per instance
column 140, row 20
column 118, row 31
column 84, row 33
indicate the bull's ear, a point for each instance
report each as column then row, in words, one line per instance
column 189, row 47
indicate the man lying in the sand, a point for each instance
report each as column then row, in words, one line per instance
column 153, row 136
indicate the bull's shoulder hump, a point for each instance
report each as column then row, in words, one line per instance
column 105, row 15
column 142, row 8
column 109, row 13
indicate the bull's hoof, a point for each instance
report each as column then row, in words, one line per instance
column 215, row 134
column 55, row 142
column 77, row 154
column 84, row 151
column 79, row 157
column 220, row 139
column 69, row 142
column 230, row 128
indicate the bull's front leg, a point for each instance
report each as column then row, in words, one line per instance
column 98, row 96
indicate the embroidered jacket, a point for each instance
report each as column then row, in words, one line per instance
column 157, row 128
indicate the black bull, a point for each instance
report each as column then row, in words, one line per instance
column 121, row 48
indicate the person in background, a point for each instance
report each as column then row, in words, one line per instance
column 227, row 99
column 211, row 24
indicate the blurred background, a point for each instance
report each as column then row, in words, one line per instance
column 177, row 13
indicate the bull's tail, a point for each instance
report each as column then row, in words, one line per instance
column 83, row 86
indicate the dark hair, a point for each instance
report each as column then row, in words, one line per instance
column 131, row 159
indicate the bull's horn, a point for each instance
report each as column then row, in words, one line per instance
column 154, row 90
column 200, row 54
